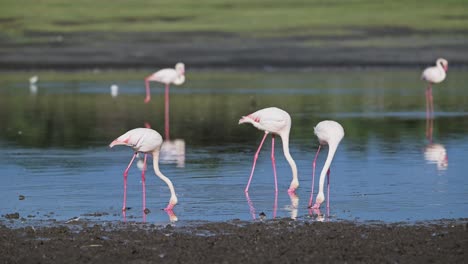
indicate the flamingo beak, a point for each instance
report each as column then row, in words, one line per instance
column 446, row 67
column 115, row 142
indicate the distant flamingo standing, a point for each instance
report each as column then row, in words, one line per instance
column 145, row 140
column 166, row 76
column 278, row 122
column 331, row 133
column 434, row 74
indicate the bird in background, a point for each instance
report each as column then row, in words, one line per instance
column 114, row 90
column 434, row 74
column 328, row 133
column 33, row 79
column 147, row 141
column 277, row 122
column 167, row 76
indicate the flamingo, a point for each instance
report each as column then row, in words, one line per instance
column 331, row 133
column 166, row 76
column 277, row 122
column 146, row 141
column 434, row 74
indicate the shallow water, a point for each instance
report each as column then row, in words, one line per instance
column 392, row 165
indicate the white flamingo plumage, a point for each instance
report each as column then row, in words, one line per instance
column 277, row 122
column 434, row 74
column 167, row 76
column 146, row 141
column 331, row 133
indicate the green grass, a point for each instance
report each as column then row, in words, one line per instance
column 248, row 17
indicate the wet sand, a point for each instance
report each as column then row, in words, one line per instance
column 273, row 241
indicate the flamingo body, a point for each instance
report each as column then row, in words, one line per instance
column 167, row 76
column 437, row 73
column 278, row 122
column 147, row 141
column 331, row 133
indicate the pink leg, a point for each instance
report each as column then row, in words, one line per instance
column 275, row 206
column 251, row 207
column 273, row 161
column 125, row 182
column 255, row 162
column 328, row 189
column 431, row 101
column 313, row 176
column 427, row 102
column 166, row 111
column 143, row 183
column 148, row 94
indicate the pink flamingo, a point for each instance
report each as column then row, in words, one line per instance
column 146, row 141
column 166, row 76
column 278, row 122
column 331, row 133
column 434, row 74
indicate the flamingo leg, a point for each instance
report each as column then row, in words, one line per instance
column 427, row 102
column 313, row 176
column 431, row 102
column 275, row 205
column 143, row 183
column 148, row 94
column 124, row 207
column 251, row 207
column 328, row 189
column 273, row 161
column 166, row 111
column 255, row 162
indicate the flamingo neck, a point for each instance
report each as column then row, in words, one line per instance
column 287, row 155
column 332, row 146
column 173, row 199
column 179, row 80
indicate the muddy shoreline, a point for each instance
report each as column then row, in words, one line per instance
column 273, row 241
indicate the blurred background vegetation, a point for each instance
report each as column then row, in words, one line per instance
column 251, row 17
column 205, row 33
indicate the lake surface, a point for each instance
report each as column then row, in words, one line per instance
column 393, row 164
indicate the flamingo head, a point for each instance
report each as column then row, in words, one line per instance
column 443, row 62
column 180, row 68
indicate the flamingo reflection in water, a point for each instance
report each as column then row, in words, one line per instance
column 172, row 151
column 434, row 153
column 292, row 208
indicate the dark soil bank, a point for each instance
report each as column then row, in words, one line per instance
column 86, row 50
column 277, row 241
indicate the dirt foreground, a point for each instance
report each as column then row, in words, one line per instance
column 275, row 241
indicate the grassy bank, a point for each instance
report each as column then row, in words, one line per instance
column 295, row 17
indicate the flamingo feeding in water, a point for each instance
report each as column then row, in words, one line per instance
column 434, row 74
column 146, row 141
column 166, row 76
column 278, row 122
column 331, row 133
